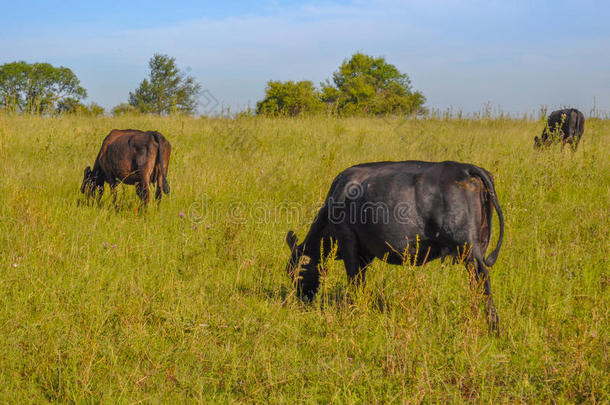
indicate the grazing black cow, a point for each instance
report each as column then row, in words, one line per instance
column 130, row 156
column 380, row 210
column 565, row 126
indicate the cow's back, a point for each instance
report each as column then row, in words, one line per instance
column 390, row 203
column 124, row 152
column 570, row 120
column 395, row 184
column 112, row 137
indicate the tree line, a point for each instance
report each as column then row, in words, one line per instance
column 363, row 85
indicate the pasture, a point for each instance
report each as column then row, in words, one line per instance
column 189, row 300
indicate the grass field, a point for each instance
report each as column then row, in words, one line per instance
column 190, row 301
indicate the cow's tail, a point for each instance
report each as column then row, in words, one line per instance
column 161, row 180
column 491, row 193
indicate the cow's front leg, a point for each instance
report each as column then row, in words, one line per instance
column 113, row 192
column 142, row 190
column 355, row 263
column 349, row 253
column 99, row 192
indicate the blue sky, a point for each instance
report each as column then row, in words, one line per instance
column 518, row 55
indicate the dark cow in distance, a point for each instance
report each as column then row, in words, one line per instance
column 130, row 156
column 565, row 126
column 391, row 211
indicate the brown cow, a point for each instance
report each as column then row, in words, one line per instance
column 130, row 156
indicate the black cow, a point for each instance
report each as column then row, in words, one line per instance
column 130, row 156
column 565, row 126
column 385, row 209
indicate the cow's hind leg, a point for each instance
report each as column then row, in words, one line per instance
column 482, row 276
column 158, row 194
column 575, row 143
column 155, row 178
column 145, row 162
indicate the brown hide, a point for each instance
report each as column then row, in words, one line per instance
column 130, row 157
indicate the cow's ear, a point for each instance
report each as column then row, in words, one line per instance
column 87, row 171
column 291, row 239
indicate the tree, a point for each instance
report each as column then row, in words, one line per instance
column 364, row 84
column 70, row 105
column 95, row 109
column 37, row 87
column 124, row 109
column 166, row 90
column 290, row 99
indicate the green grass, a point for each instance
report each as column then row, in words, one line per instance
column 120, row 305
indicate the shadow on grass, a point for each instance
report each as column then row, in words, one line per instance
column 345, row 297
column 339, row 297
column 123, row 203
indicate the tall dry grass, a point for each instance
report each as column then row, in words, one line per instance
column 120, row 305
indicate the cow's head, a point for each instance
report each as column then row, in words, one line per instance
column 301, row 268
column 537, row 142
column 88, row 181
